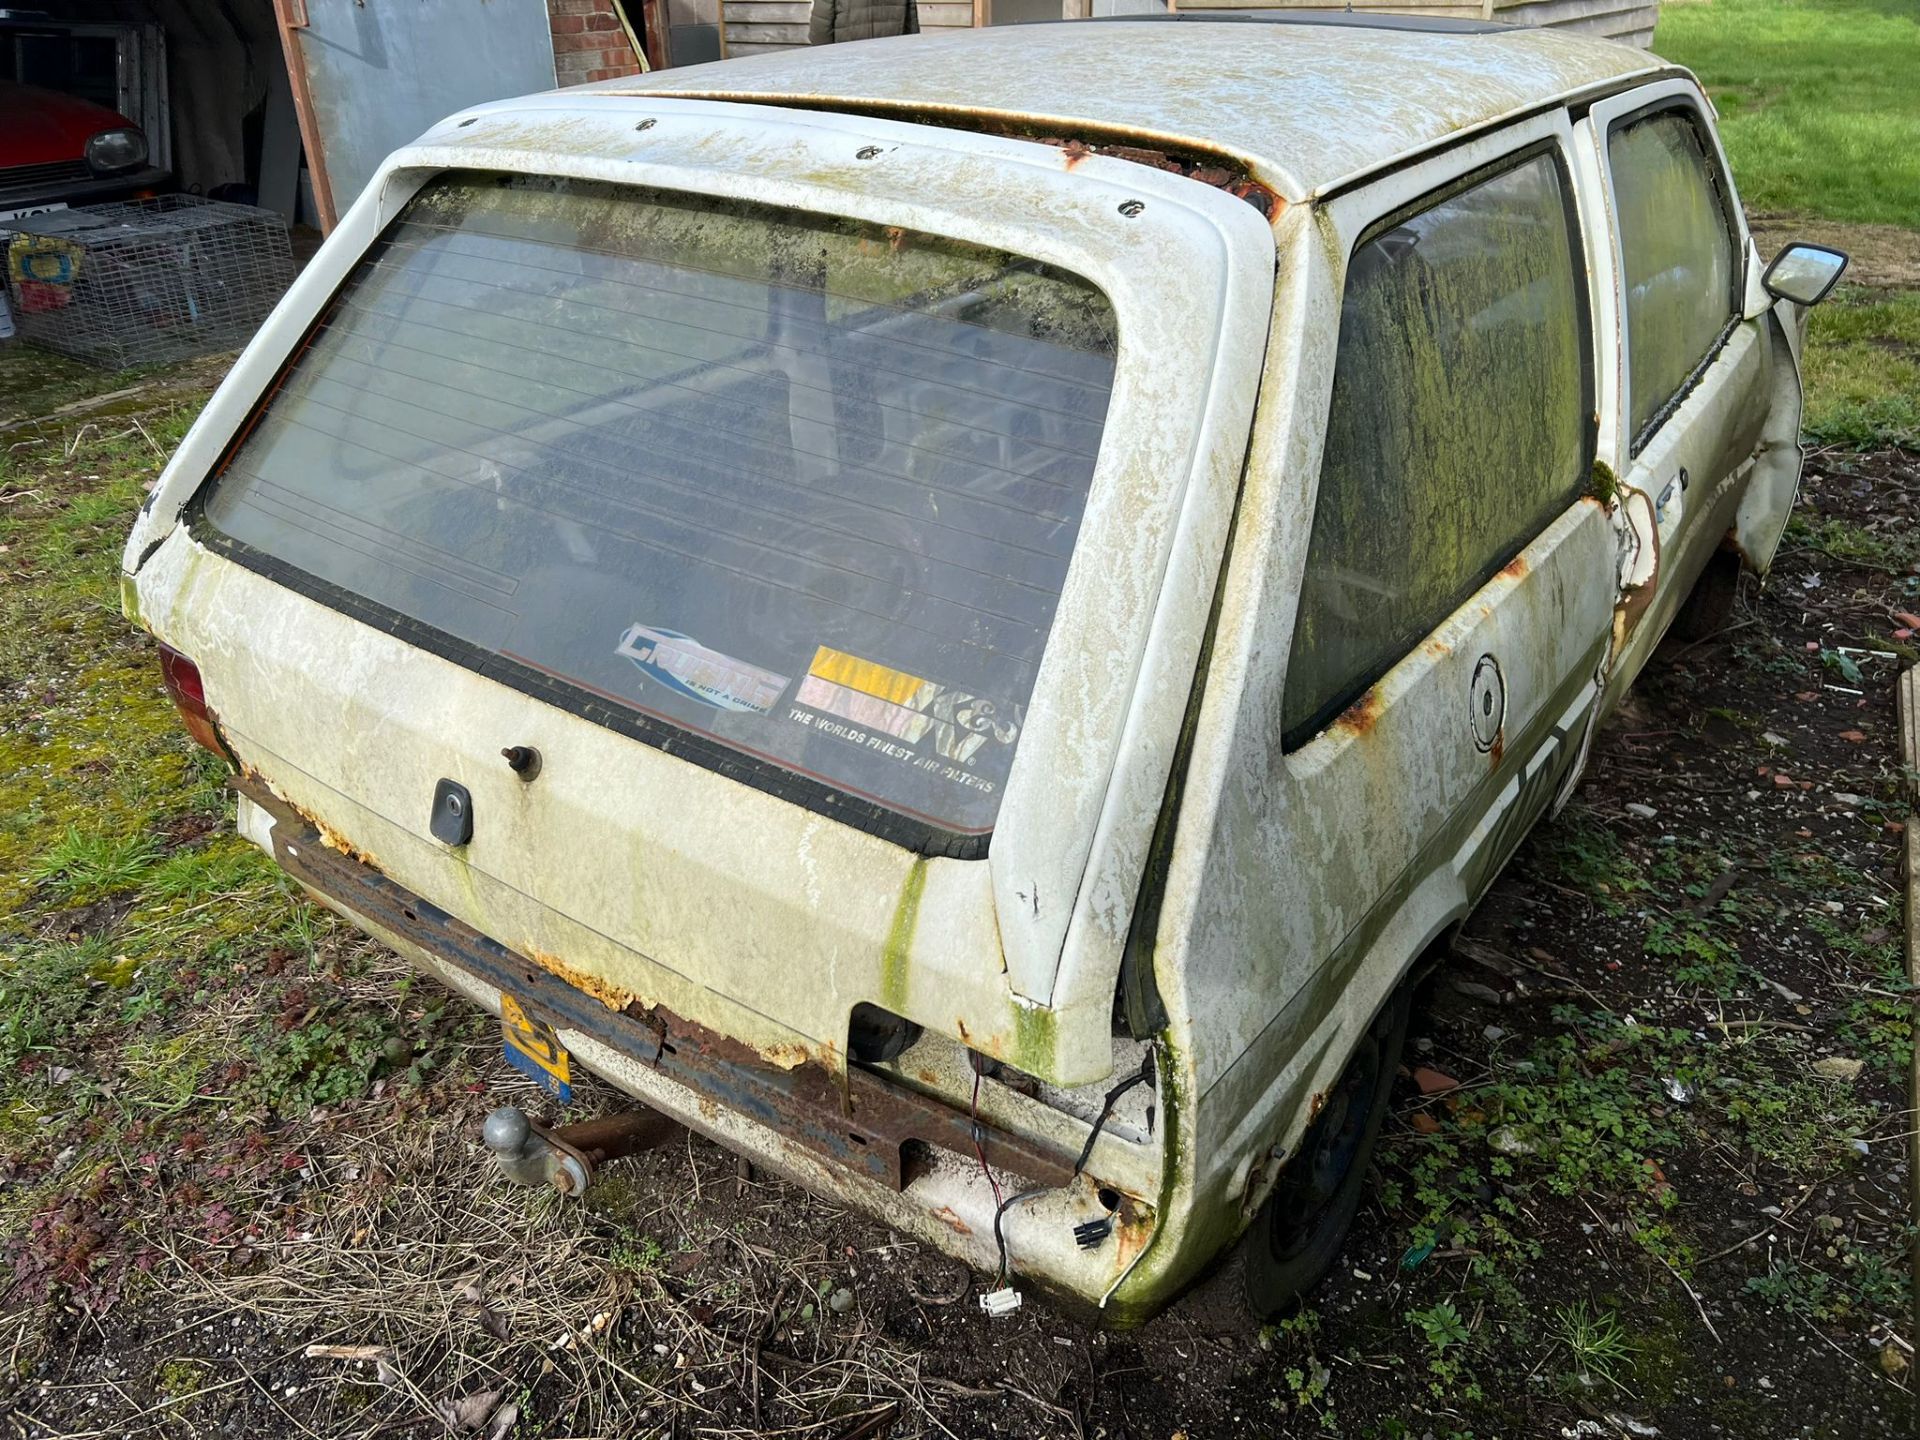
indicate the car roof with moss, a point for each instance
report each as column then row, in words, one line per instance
column 1301, row 102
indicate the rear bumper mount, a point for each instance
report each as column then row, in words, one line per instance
column 860, row 1120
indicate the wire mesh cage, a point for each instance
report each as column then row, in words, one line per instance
column 143, row 282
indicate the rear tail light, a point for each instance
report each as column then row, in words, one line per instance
column 183, row 683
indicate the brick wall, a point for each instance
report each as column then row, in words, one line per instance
column 588, row 42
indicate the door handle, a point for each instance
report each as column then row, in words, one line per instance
column 1679, row 481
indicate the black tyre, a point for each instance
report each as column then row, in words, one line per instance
column 1297, row 1236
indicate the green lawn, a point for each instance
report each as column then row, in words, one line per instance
column 1819, row 99
column 1819, row 106
column 1863, row 369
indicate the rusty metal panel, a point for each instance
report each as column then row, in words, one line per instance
column 858, row 1119
column 1333, row 102
column 369, row 75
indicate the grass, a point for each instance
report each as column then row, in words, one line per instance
column 159, row 979
column 1863, row 368
column 1818, row 122
column 1596, row 1345
column 1816, row 109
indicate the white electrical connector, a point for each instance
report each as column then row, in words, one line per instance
column 1001, row 1302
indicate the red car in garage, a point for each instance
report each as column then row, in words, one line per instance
column 57, row 150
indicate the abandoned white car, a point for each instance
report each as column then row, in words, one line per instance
column 960, row 614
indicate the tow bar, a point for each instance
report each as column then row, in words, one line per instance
column 567, row 1157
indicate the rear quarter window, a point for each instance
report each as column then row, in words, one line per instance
column 796, row 494
column 1457, row 430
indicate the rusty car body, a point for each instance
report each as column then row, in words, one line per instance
column 1100, row 942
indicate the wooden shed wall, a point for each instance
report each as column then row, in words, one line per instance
column 1630, row 21
column 758, row 25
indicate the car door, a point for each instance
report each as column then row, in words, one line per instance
column 1454, row 588
column 1689, row 376
column 1448, row 612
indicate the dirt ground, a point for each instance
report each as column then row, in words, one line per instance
column 1886, row 257
column 1647, row 1171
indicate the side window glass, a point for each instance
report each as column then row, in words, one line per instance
column 1677, row 256
column 1458, row 427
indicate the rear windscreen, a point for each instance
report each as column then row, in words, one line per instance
column 804, row 486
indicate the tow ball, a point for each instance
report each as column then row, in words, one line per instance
column 567, row 1156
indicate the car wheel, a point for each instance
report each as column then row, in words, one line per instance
column 1708, row 608
column 1298, row 1234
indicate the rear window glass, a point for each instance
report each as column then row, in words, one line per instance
column 803, row 486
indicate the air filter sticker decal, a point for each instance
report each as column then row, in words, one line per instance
column 893, row 712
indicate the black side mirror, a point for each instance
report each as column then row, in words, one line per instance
column 1804, row 273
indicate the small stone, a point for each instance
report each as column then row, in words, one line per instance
column 1893, row 1360
column 1424, row 1123
column 1861, row 1146
column 1838, row 1067
column 1434, row 1082
column 1644, row 812
column 1681, row 1091
column 1494, row 1034
column 840, row 1301
column 1850, row 800
column 1474, row 990
column 1778, row 742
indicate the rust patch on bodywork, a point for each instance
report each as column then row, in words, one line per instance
column 857, row 1119
column 952, row 1221
column 1515, row 569
column 1132, row 1234
column 1359, row 717
column 325, row 833
column 1214, row 170
column 609, row 995
column 1499, row 746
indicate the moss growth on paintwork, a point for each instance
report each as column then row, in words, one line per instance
column 895, row 960
column 1035, row 1036
column 1602, row 484
column 1149, row 1283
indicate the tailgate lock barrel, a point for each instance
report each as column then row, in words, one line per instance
column 568, row 1156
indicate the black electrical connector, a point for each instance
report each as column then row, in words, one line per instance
column 1090, row 1233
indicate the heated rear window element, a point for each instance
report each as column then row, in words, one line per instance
column 800, row 485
